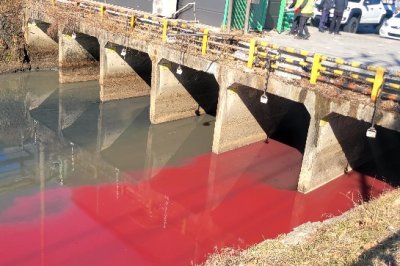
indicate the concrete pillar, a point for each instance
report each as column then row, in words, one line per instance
column 36, row 35
column 175, row 96
column 123, row 76
column 78, row 58
column 337, row 144
column 324, row 159
column 241, row 117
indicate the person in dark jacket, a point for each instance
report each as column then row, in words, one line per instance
column 325, row 7
column 340, row 6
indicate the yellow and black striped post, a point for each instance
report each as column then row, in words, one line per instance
column 380, row 73
column 252, row 52
column 165, row 27
column 315, row 68
column 205, row 39
column 101, row 11
column 132, row 22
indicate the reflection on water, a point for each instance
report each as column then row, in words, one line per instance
column 89, row 183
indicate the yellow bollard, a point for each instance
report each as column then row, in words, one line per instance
column 101, row 11
column 164, row 34
column 251, row 53
column 380, row 73
column 132, row 22
column 53, row 2
column 205, row 39
column 316, row 66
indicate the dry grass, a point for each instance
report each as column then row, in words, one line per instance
column 369, row 234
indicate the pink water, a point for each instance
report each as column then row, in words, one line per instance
column 176, row 215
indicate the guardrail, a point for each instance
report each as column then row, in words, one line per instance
column 369, row 80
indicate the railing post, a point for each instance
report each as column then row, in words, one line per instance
column 164, row 34
column 205, row 39
column 132, row 21
column 252, row 51
column 380, row 73
column 316, row 66
column 101, row 11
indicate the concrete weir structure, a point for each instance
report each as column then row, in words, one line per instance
column 330, row 133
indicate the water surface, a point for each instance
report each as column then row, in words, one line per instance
column 90, row 183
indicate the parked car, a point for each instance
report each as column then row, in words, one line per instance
column 391, row 28
column 361, row 13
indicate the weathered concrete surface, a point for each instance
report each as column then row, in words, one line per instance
column 78, row 58
column 120, row 75
column 175, row 96
column 36, row 36
column 241, row 118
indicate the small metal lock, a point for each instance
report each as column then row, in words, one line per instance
column 264, row 99
column 123, row 52
column 371, row 132
column 179, row 70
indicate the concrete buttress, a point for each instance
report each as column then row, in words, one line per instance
column 78, row 58
column 119, row 73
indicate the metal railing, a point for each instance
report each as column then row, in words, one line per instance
column 355, row 76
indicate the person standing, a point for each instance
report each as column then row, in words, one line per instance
column 305, row 7
column 296, row 19
column 325, row 7
column 340, row 6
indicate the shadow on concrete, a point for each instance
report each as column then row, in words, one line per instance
column 281, row 119
column 140, row 62
column 202, row 86
column 382, row 252
column 90, row 44
column 45, row 27
column 372, row 60
column 377, row 157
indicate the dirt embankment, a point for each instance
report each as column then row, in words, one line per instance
column 15, row 54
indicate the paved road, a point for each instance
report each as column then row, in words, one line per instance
column 365, row 47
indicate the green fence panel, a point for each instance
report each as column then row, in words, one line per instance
column 288, row 20
column 281, row 20
column 257, row 14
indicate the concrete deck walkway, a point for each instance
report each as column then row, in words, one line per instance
column 367, row 49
